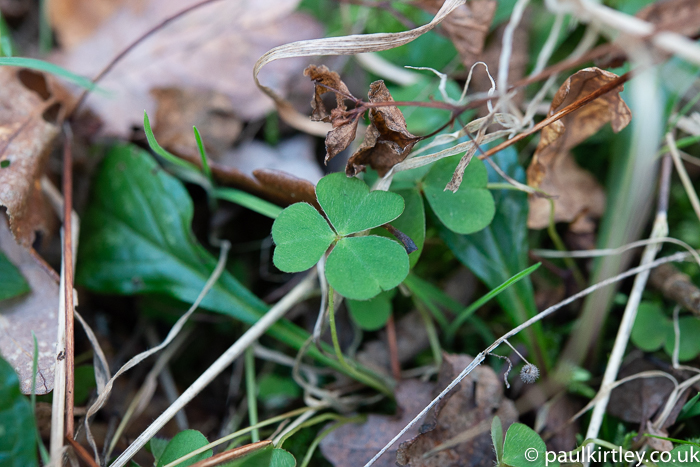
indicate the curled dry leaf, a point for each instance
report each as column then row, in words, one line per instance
column 213, row 47
column 577, row 195
column 387, row 140
column 31, row 111
column 461, row 422
column 344, row 128
column 35, row 311
column 467, row 26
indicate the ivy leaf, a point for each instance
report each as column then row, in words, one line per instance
column 13, row 283
column 371, row 314
column 182, row 444
column 17, row 426
column 302, row 235
column 469, row 209
column 361, row 267
column 523, row 447
column 352, row 208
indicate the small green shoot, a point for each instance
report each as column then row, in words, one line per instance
column 497, row 439
column 41, row 65
column 358, row 267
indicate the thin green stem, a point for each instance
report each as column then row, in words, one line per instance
column 334, row 333
column 251, row 391
column 431, row 331
column 314, row 421
column 326, row 432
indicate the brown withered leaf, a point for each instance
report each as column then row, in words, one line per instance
column 35, row 311
column 344, row 128
column 470, row 406
column 577, row 195
column 387, row 140
column 30, row 116
column 467, row 26
column 680, row 16
column 325, row 81
column 213, row 47
column 354, row 444
column 178, row 109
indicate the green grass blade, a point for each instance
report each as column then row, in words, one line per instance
column 205, row 163
column 249, row 201
column 158, row 149
column 467, row 312
column 42, row 65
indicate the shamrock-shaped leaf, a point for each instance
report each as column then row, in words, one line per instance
column 523, row 447
column 302, row 235
column 358, row 267
column 352, row 208
column 468, row 210
column 653, row 329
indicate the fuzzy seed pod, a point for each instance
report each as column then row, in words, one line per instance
column 529, row 373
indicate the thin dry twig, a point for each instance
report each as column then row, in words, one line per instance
column 68, row 280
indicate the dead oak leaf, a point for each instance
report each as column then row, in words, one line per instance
column 211, row 48
column 467, row 26
column 576, row 193
column 35, row 311
column 467, row 410
column 30, row 116
column 387, row 140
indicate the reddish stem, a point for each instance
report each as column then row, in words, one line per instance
column 68, row 276
column 393, row 348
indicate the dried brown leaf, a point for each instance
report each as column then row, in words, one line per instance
column 213, row 48
column 467, row 26
column 471, row 405
column 326, row 81
column 680, row 16
column 35, row 311
column 30, row 115
column 178, row 109
column 387, row 140
column 576, row 193
column 353, row 444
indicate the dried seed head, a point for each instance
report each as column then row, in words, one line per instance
column 529, row 373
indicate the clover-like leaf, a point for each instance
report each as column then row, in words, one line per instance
column 302, row 235
column 182, row 444
column 468, row 210
column 361, row 267
column 352, row 208
column 371, row 314
column 523, row 447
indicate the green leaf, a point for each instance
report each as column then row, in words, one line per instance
column 498, row 252
column 84, row 383
column 301, row 236
column 689, row 345
column 157, row 447
column 497, row 438
column 267, row 457
column 361, row 267
column 690, row 408
column 468, row 210
column 17, row 426
column 650, row 327
column 411, row 222
column 371, row 314
column 136, row 238
column 12, row 283
column 524, row 448
column 48, row 67
column 682, row 456
column 182, row 444
column 352, row 208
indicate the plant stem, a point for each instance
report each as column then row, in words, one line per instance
column 334, row 333
column 251, row 393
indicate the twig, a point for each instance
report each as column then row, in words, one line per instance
column 82, row 453
column 482, row 355
column 393, row 347
column 676, row 286
column 659, row 230
column 682, row 174
column 68, row 273
column 233, row 454
column 248, row 338
column 134, row 44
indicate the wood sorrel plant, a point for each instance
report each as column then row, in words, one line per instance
column 359, row 266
